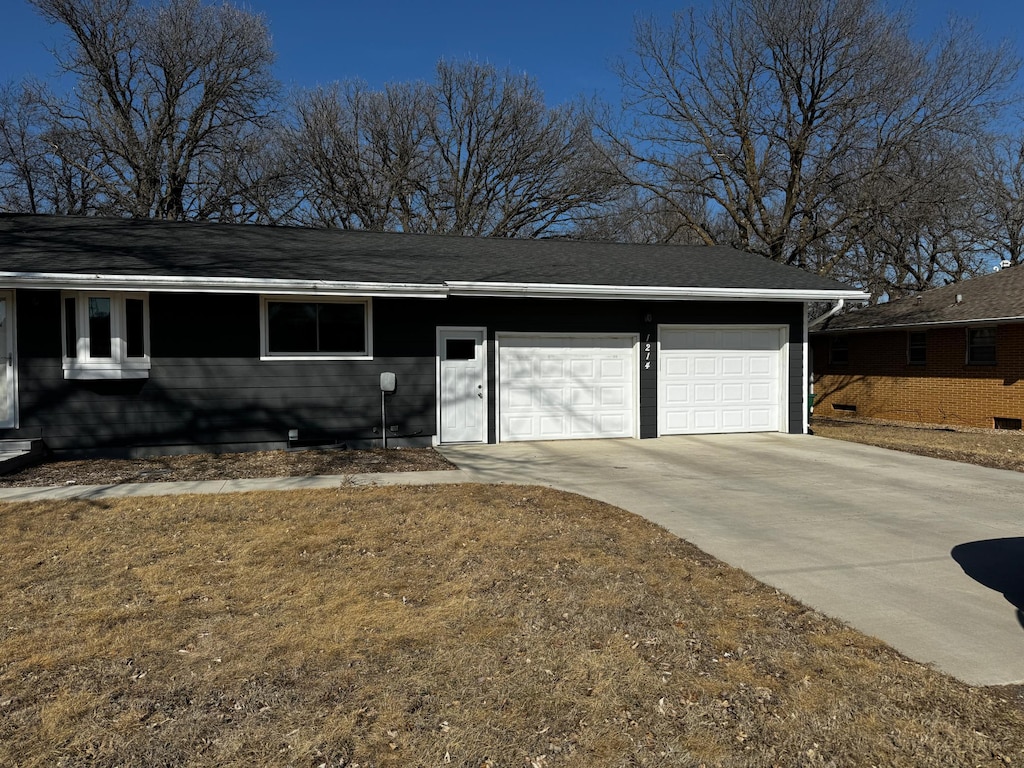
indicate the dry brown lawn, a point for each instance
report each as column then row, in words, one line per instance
column 1001, row 449
column 227, row 466
column 461, row 625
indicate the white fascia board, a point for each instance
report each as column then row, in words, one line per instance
column 932, row 324
column 79, row 282
column 556, row 291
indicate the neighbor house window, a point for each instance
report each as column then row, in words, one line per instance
column 106, row 335
column 838, row 350
column 981, row 346
column 301, row 329
column 917, row 347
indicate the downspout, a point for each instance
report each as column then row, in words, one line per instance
column 840, row 303
column 809, row 389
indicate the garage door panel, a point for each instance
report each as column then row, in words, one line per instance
column 719, row 380
column 581, row 386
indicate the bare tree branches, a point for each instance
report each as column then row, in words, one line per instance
column 476, row 152
column 802, row 121
column 162, row 91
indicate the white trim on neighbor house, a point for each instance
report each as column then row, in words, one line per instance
column 634, row 353
column 932, row 324
column 583, row 291
column 782, row 381
column 267, row 354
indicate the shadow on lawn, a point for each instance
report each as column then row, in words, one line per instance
column 998, row 564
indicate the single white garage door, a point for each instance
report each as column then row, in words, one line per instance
column 564, row 387
column 713, row 380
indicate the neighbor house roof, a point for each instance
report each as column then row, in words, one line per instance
column 995, row 297
column 79, row 252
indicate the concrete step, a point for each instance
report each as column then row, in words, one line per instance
column 17, row 454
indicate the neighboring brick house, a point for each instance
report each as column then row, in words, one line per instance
column 952, row 355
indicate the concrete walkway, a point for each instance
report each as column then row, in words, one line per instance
column 230, row 486
column 927, row 555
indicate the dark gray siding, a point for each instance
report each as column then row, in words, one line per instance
column 208, row 387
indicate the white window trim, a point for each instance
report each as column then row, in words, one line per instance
column 118, row 365
column 266, row 354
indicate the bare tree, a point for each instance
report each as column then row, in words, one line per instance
column 477, row 152
column 44, row 167
column 503, row 163
column 1002, row 191
column 360, row 155
column 162, row 92
column 799, row 120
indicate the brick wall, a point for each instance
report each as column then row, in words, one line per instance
column 879, row 383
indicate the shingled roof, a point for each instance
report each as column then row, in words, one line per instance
column 145, row 249
column 996, row 297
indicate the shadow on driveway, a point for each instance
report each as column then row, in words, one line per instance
column 998, row 564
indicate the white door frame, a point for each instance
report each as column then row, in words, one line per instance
column 455, row 331
column 9, row 362
column 635, row 382
column 783, row 330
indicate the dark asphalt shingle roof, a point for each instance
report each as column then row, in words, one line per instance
column 87, row 245
column 996, row 296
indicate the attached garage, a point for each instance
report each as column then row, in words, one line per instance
column 722, row 379
column 560, row 387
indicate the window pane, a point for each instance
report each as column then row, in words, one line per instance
column 70, row 328
column 342, row 328
column 99, row 327
column 981, row 345
column 838, row 351
column 460, row 349
column 135, row 328
column 291, row 326
column 917, row 347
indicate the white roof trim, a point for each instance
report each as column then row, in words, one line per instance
column 932, row 324
column 73, row 282
column 554, row 290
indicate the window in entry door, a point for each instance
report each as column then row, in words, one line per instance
column 460, row 349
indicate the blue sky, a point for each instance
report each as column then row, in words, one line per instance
column 567, row 45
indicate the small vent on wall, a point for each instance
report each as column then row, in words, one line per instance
column 1001, row 422
column 844, row 407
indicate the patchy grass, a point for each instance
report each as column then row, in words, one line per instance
column 465, row 625
column 1000, row 449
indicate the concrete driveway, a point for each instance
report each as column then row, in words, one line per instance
column 925, row 554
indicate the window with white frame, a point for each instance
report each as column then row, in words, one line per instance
column 105, row 335
column 297, row 328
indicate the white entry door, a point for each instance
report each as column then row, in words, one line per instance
column 462, row 385
column 8, row 412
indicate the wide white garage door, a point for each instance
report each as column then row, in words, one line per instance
column 713, row 380
column 564, row 387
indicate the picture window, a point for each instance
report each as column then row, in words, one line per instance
column 300, row 329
